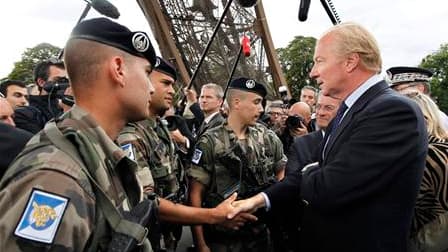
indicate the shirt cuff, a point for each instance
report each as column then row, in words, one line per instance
column 187, row 143
column 267, row 202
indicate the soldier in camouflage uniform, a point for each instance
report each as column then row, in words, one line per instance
column 149, row 143
column 71, row 186
column 239, row 155
column 60, row 194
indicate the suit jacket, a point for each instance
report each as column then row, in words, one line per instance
column 216, row 120
column 361, row 196
column 12, row 141
column 303, row 151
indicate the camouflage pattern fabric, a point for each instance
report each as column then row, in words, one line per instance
column 153, row 148
column 148, row 142
column 264, row 152
column 225, row 164
column 45, row 172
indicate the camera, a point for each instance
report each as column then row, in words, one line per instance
column 294, row 122
column 57, row 87
column 171, row 122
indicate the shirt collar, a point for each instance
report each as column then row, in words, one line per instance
column 209, row 118
column 354, row 96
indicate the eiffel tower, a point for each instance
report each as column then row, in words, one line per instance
column 183, row 28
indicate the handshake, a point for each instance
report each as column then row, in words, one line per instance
column 235, row 213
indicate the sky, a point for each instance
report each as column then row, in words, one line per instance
column 406, row 30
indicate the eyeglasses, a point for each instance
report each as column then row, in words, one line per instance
column 2, row 95
column 276, row 113
column 327, row 108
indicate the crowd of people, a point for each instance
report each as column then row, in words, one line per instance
column 101, row 159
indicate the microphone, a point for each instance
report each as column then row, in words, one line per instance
column 105, row 8
column 247, row 3
column 303, row 9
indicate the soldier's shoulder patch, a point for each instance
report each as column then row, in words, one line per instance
column 196, row 156
column 42, row 216
column 129, row 150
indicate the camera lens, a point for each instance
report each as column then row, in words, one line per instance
column 293, row 121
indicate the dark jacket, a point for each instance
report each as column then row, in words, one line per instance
column 362, row 195
column 216, row 120
column 303, row 151
column 12, row 141
column 42, row 109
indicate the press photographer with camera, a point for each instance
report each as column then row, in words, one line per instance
column 51, row 79
column 297, row 123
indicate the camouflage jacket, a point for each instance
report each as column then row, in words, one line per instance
column 148, row 143
column 223, row 165
column 46, row 200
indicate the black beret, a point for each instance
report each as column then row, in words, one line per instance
column 248, row 85
column 399, row 75
column 106, row 31
column 165, row 67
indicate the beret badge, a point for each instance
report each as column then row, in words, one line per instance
column 250, row 84
column 140, row 41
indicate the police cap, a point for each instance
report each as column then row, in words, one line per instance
column 165, row 67
column 248, row 85
column 105, row 31
column 399, row 75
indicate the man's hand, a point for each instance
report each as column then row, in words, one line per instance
column 226, row 209
column 191, row 95
column 299, row 131
column 178, row 137
column 248, row 205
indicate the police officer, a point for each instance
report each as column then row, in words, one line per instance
column 403, row 79
column 240, row 155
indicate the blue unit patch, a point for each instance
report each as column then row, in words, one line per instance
column 42, row 216
column 129, row 150
column 196, row 156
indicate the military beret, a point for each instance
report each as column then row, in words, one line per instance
column 248, row 85
column 165, row 67
column 399, row 75
column 105, row 31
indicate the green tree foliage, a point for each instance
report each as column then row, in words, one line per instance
column 23, row 69
column 438, row 63
column 296, row 61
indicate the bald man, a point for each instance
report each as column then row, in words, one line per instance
column 299, row 117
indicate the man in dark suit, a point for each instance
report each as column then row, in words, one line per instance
column 210, row 101
column 305, row 149
column 361, row 194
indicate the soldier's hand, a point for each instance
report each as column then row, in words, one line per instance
column 226, row 208
column 238, row 221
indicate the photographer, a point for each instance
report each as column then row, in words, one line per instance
column 51, row 79
column 179, row 131
column 297, row 123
